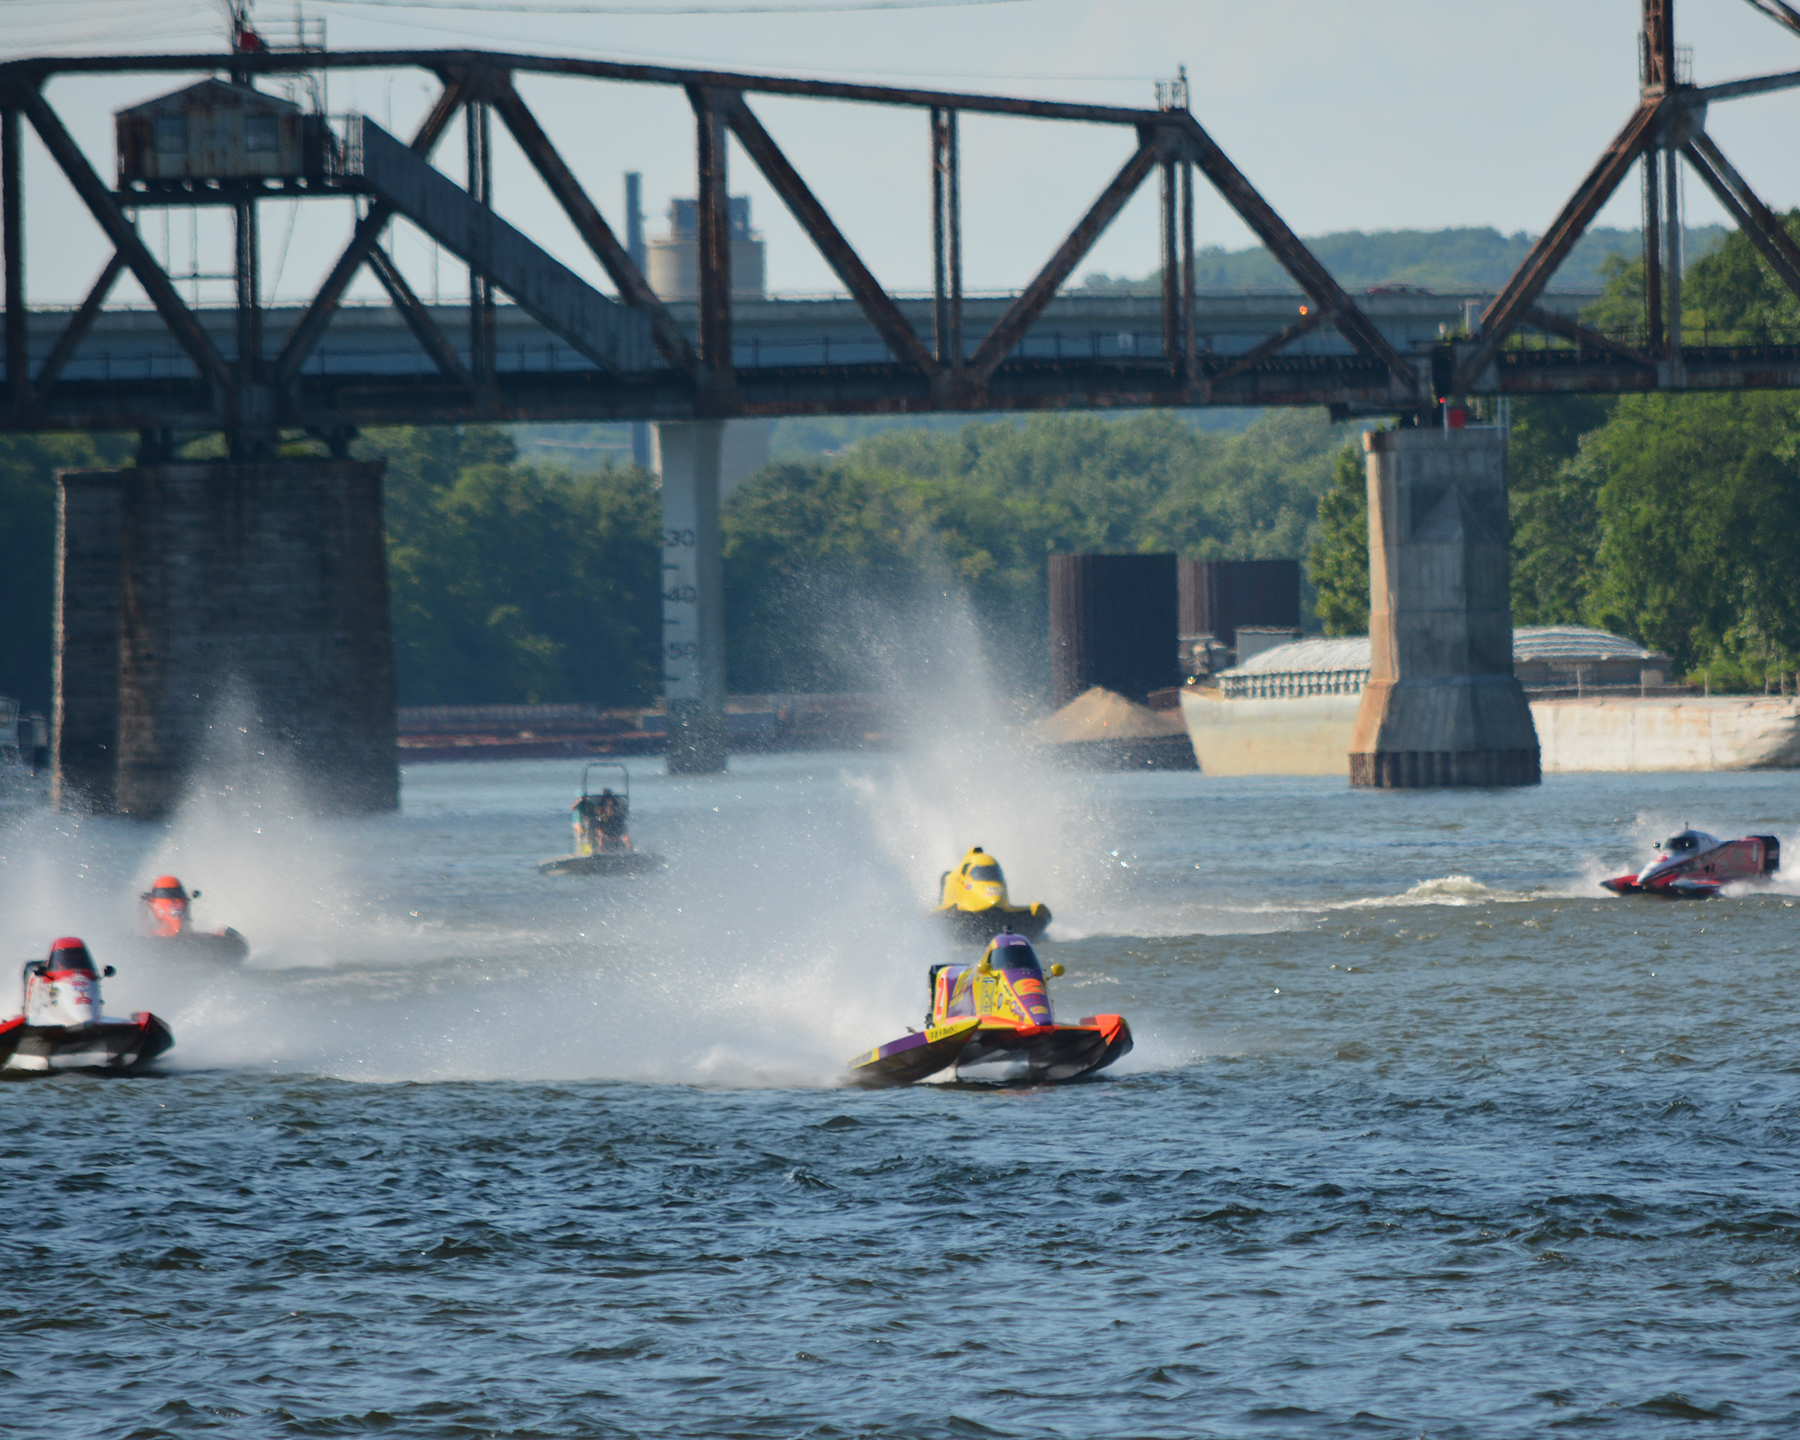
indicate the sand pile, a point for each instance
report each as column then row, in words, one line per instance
column 1103, row 714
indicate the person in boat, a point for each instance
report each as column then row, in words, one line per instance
column 166, row 904
column 600, row 824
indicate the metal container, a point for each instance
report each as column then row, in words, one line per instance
column 1217, row 596
column 1112, row 623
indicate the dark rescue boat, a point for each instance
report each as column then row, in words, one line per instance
column 602, row 832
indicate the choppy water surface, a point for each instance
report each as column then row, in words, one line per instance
column 1424, row 1133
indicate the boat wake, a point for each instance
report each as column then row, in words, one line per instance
column 1445, row 890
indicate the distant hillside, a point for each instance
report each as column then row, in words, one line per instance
column 1432, row 259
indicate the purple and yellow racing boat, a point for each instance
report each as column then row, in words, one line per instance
column 992, row 1021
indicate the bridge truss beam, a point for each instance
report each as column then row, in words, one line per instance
column 1669, row 125
column 694, row 375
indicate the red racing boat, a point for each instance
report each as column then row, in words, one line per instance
column 166, row 917
column 62, row 1028
column 1696, row 866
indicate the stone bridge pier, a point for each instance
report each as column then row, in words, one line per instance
column 223, row 623
column 1442, row 706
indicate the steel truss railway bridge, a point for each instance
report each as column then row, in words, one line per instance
column 166, row 569
column 630, row 355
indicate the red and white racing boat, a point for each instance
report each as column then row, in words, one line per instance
column 1695, row 866
column 62, row 1028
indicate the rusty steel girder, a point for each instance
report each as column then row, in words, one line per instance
column 882, row 312
column 79, row 324
column 1166, row 140
column 1521, row 292
column 123, row 235
column 311, row 329
column 695, row 374
column 634, row 289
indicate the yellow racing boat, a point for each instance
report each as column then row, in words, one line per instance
column 973, row 901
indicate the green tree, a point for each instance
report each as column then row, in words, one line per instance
column 1555, row 542
column 824, row 558
column 1619, row 311
column 1699, row 511
column 1553, row 492
column 1735, row 298
column 1253, row 496
column 829, row 565
column 1728, row 295
column 1338, row 563
column 516, row 583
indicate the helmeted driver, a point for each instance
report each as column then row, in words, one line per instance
column 166, row 902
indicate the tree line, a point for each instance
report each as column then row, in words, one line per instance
column 1466, row 258
column 1673, row 519
column 516, row 582
column 522, row 582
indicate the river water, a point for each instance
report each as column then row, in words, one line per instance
column 1424, row 1133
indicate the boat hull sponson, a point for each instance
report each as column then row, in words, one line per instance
column 983, row 925
column 113, row 1045
column 990, row 1050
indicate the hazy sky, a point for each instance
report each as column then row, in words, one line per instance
column 1378, row 114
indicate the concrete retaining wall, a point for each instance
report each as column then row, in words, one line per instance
column 1716, row 733
column 1311, row 735
column 1302, row 735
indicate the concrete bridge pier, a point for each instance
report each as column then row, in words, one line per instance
column 1441, row 707
column 223, row 624
column 693, row 586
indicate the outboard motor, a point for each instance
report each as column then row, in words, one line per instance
column 1771, row 853
column 64, row 989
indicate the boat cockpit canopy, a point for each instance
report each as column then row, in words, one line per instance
column 1013, row 952
column 69, row 954
column 1689, row 842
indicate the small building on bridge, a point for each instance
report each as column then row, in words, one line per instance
column 216, row 131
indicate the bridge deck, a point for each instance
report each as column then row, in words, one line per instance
column 791, row 356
